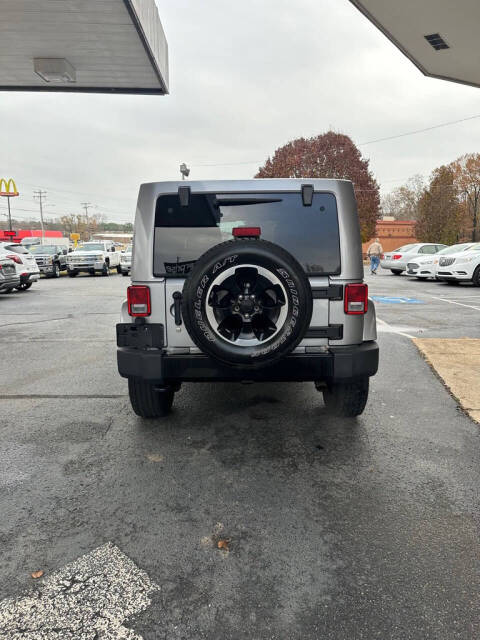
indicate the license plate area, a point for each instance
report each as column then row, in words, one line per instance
column 140, row 336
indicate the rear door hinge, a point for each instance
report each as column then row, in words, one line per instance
column 332, row 292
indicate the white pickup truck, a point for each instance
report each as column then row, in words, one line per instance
column 93, row 257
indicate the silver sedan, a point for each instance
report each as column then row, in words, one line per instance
column 397, row 260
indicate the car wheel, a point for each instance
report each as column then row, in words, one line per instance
column 56, row 271
column 247, row 303
column 476, row 277
column 72, row 274
column 396, row 272
column 346, row 399
column 119, row 269
column 124, row 273
column 148, row 400
column 24, row 286
column 106, row 268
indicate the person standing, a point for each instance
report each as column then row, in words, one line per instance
column 374, row 252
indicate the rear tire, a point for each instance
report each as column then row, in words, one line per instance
column 72, row 274
column 56, row 271
column 24, row 286
column 125, row 273
column 396, row 272
column 119, row 269
column 147, row 400
column 106, row 269
column 347, row 399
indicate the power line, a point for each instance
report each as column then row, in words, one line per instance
column 412, row 133
column 360, row 144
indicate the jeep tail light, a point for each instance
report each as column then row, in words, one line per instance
column 15, row 258
column 138, row 299
column 246, row 232
column 356, row 299
column 396, row 256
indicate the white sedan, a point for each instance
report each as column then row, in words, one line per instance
column 460, row 267
column 397, row 260
column 426, row 266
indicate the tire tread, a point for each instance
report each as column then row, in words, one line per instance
column 146, row 401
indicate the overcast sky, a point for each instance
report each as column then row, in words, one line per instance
column 245, row 77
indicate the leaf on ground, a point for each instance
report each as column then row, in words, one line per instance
column 155, row 457
column 37, row 574
column 223, row 543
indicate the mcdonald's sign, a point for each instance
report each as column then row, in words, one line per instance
column 8, row 188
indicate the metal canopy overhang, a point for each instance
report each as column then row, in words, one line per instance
column 113, row 46
column 407, row 22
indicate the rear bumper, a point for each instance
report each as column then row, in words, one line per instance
column 9, row 282
column 336, row 365
column 29, row 277
column 393, row 264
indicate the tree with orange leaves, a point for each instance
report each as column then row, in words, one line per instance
column 330, row 155
column 466, row 171
column 439, row 213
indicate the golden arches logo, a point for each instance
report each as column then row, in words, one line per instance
column 8, row 188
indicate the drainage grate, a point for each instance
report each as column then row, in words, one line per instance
column 437, row 42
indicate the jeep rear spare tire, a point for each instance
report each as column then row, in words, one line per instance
column 247, row 303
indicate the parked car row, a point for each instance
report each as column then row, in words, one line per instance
column 457, row 263
column 21, row 266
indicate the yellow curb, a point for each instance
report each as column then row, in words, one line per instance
column 457, row 363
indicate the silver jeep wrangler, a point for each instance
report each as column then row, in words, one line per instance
column 248, row 280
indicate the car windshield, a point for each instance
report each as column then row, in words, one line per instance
column 91, row 246
column 407, row 247
column 474, row 247
column 48, row 249
column 455, row 248
column 128, row 248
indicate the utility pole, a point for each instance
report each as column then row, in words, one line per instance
column 41, row 195
column 86, row 206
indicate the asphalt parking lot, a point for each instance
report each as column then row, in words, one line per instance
column 333, row 528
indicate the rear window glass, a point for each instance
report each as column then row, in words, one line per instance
column 406, row 247
column 183, row 234
column 17, row 248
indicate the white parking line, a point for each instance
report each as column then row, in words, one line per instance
column 460, row 304
column 388, row 328
column 89, row 598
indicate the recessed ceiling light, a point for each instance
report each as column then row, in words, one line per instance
column 54, row 70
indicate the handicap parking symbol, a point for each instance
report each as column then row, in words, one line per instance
column 397, row 300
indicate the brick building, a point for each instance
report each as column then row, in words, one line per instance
column 392, row 234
